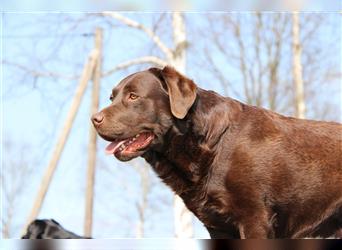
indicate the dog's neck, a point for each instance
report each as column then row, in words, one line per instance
column 190, row 144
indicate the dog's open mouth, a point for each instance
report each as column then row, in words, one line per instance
column 130, row 145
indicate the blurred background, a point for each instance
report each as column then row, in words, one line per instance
column 286, row 62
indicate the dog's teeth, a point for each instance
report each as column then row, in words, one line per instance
column 137, row 136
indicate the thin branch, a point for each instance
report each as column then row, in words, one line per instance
column 257, row 50
column 37, row 74
column 134, row 24
column 49, row 74
column 243, row 63
column 145, row 59
column 225, row 83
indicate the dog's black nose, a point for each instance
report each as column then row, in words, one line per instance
column 97, row 119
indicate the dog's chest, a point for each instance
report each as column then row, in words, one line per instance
column 211, row 207
column 209, row 204
column 184, row 166
column 181, row 163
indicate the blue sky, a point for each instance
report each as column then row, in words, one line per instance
column 34, row 112
column 154, row 5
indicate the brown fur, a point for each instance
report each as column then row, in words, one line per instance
column 244, row 171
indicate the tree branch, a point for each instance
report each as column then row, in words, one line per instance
column 131, row 23
column 145, row 59
column 36, row 73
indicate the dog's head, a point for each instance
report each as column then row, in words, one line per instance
column 143, row 108
column 47, row 229
column 37, row 228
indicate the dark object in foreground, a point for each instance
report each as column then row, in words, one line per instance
column 244, row 171
column 49, row 229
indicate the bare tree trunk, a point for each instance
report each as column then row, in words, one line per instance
column 142, row 206
column 182, row 216
column 297, row 67
column 86, row 75
column 88, row 220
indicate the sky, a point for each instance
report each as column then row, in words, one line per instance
column 155, row 5
column 34, row 112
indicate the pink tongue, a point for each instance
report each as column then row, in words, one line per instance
column 113, row 147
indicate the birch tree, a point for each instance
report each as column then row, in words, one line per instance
column 297, row 67
column 92, row 145
column 142, row 204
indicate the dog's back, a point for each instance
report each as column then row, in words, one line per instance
column 300, row 163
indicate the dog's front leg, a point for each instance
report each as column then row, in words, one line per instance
column 256, row 227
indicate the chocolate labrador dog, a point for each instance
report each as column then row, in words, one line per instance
column 244, row 171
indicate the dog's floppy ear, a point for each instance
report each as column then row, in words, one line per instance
column 182, row 91
column 55, row 222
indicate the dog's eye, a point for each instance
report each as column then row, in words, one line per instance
column 111, row 98
column 133, row 96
